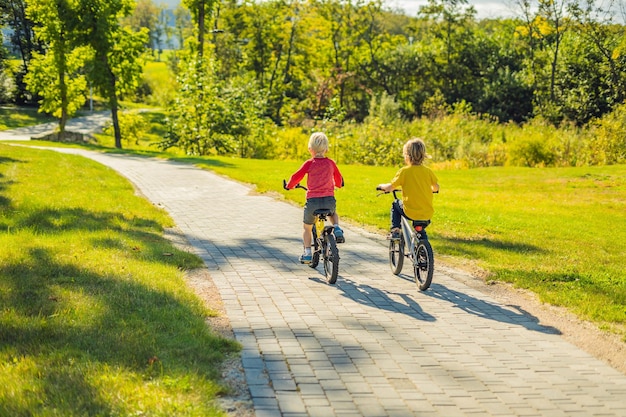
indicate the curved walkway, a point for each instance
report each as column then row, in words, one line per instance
column 371, row 345
column 86, row 124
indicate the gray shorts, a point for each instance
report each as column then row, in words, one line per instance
column 317, row 203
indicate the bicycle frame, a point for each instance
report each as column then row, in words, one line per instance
column 418, row 250
column 324, row 244
column 415, row 232
column 320, row 225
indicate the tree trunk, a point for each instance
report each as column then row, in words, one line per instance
column 62, row 63
column 201, row 28
column 114, row 110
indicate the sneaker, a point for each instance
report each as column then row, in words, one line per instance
column 394, row 234
column 339, row 235
column 305, row 259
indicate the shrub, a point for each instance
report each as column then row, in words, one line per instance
column 132, row 126
column 607, row 144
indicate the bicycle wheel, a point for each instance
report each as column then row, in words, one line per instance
column 396, row 255
column 315, row 259
column 423, row 265
column 331, row 258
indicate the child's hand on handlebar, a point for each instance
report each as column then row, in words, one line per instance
column 297, row 186
column 386, row 188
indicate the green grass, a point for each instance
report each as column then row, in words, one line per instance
column 12, row 118
column 560, row 232
column 95, row 316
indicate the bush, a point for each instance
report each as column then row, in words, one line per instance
column 132, row 126
column 607, row 144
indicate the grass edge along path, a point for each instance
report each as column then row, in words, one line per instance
column 96, row 318
column 559, row 232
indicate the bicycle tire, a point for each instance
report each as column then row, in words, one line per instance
column 423, row 265
column 396, row 255
column 331, row 258
column 315, row 258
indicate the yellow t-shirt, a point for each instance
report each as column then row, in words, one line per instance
column 416, row 182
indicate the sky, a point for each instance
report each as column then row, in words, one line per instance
column 484, row 8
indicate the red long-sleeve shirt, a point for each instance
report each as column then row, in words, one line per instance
column 322, row 177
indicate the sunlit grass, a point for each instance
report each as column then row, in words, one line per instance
column 96, row 318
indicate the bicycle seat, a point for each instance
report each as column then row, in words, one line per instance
column 322, row 212
column 420, row 225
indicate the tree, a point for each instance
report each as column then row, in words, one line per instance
column 183, row 24
column 115, row 68
column 602, row 44
column 199, row 10
column 451, row 34
column 13, row 14
column 146, row 15
column 209, row 115
column 553, row 11
column 56, row 74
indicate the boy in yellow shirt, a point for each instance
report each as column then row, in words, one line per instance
column 418, row 184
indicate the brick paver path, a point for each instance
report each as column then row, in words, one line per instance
column 372, row 345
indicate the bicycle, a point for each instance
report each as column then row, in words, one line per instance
column 324, row 243
column 417, row 248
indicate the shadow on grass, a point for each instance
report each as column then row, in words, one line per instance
column 5, row 203
column 60, row 220
column 205, row 163
column 6, row 160
column 74, row 322
column 470, row 247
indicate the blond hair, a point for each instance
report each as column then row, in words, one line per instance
column 318, row 143
column 414, row 151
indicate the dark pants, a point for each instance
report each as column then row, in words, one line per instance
column 397, row 211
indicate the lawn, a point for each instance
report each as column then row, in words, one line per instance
column 96, row 318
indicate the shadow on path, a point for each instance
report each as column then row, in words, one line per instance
column 513, row 315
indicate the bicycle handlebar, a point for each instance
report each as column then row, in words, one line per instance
column 297, row 186
column 378, row 188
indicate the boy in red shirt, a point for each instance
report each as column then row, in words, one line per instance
column 322, row 178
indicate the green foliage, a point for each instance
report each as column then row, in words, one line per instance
column 43, row 78
column 211, row 116
column 608, row 138
column 57, row 74
column 132, row 125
